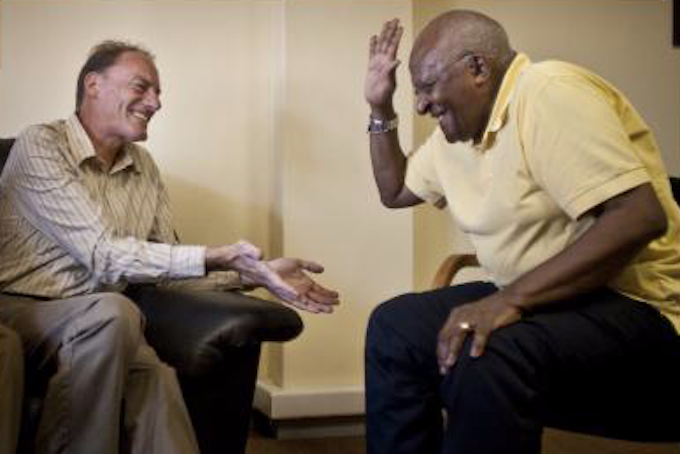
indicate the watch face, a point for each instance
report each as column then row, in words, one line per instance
column 378, row 126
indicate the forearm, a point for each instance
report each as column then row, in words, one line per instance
column 215, row 281
column 389, row 163
column 597, row 256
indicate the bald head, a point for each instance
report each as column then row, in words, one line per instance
column 457, row 66
column 459, row 32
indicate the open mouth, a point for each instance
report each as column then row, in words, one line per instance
column 438, row 114
column 141, row 116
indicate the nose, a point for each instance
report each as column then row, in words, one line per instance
column 422, row 104
column 152, row 99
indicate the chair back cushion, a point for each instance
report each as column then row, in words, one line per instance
column 5, row 146
column 675, row 186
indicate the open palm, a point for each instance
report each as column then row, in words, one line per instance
column 311, row 296
column 382, row 63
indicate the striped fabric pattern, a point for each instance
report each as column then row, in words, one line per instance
column 68, row 227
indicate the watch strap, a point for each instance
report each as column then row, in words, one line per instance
column 377, row 126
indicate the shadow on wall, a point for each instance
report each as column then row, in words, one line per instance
column 205, row 216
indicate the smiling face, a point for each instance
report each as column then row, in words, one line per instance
column 124, row 98
column 451, row 85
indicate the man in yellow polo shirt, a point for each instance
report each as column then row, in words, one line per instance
column 560, row 186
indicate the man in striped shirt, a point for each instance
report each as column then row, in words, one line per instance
column 83, row 212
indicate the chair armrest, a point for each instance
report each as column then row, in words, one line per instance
column 450, row 266
column 194, row 330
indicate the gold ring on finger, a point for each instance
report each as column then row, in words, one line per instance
column 465, row 326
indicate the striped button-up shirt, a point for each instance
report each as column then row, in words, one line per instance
column 68, row 227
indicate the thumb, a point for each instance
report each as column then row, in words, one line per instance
column 311, row 266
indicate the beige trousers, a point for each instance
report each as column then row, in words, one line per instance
column 109, row 393
column 11, row 389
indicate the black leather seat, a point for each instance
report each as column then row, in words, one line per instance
column 213, row 341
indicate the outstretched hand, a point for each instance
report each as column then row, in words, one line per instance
column 285, row 278
column 382, row 64
column 311, row 296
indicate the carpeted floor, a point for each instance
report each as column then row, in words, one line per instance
column 259, row 444
column 554, row 442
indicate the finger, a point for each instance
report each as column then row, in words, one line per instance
column 390, row 36
column 392, row 66
column 324, row 291
column 479, row 343
column 449, row 343
column 320, row 298
column 310, row 266
column 372, row 43
column 385, row 35
column 313, row 306
column 393, row 43
column 305, row 305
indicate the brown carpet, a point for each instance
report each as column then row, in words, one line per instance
column 259, row 444
column 554, row 442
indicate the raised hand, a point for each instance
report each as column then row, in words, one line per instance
column 311, row 296
column 382, row 63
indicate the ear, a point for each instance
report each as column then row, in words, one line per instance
column 91, row 84
column 480, row 68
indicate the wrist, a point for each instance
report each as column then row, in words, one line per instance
column 211, row 259
column 380, row 126
column 247, row 282
column 515, row 299
column 222, row 258
column 383, row 112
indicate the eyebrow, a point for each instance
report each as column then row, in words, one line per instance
column 146, row 82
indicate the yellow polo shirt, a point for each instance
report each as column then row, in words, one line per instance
column 560, row 141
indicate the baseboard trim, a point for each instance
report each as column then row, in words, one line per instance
column 308, row 413
column 281, row 403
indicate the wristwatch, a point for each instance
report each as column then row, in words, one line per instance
column 376, row 126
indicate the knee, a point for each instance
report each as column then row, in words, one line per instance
column 11, row 351
column 385, row 318
column 401, row 326
column 119, row 319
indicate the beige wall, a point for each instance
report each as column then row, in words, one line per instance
column 330, row 207
column 626, row 41
column 208, row 139
column 262, row 134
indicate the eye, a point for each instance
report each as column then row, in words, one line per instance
column 139, row 87
column 425, row 88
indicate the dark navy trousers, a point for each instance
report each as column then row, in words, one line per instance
column 603, row 364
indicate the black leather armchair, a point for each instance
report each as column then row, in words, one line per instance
column 213, row 340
